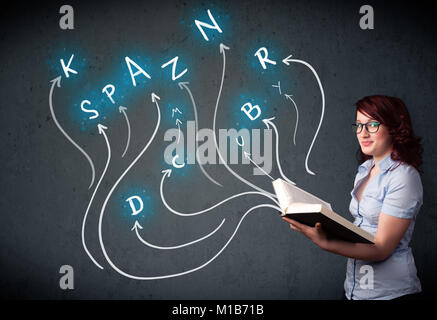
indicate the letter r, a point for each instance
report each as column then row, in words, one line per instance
column 263, row 59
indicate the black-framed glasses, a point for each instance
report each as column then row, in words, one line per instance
column 371, row 127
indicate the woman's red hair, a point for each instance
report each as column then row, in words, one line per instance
column 393, row 114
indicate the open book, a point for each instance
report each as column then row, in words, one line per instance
column 299, row 205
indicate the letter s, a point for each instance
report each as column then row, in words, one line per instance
column 96, row 114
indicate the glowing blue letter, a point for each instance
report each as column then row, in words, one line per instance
column 264, row 59
column 133, row 75
column 249, row 109
column 200, row 24
column 135, row 211
column 174, row 61
column 67, row 68
column 96, row 114
column 109, row 93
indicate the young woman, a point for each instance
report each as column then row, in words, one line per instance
column 386, row 198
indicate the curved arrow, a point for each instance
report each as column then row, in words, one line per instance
column 184, row 85
column 173, row 162
column 289, row 97
column 57, row 81
column 204, row 264
column 179, row 130
column 247, row 155
column 287, row 62
column 268, row 122
column 122, row 109
column 155, row 99
column 137, row 225
column 101, row 131
column 222, row 51
column 167, row 173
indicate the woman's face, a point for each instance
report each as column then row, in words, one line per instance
column 377, row 144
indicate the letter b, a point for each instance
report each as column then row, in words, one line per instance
column 247, row 108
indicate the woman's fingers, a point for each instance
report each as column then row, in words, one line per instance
column 293, row 227
column 296, row 224
column 302, row 227
column 292, row 223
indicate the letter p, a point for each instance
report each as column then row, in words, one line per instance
column 109, row 89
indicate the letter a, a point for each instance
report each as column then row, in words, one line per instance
column 366, row 282
column 366, row 21
column 129, row 61
column 201, row 24
column 67, row 280
column 67, row 20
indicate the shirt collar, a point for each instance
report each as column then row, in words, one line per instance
column 365, row 166
column 385, row 164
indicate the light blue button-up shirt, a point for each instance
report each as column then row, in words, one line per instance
column 397, row 191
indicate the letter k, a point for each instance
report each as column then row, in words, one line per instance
column 67, row 68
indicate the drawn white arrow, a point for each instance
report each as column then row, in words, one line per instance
column 57, row 82
column 138, row 226
column 184, row 85
column 289, row 97
column 287, row 62
column 175, row 110
column 223, row 49
column 247, row 155
column 173, row 162
column 167, row 174
column 122, row 109
column 207, row 262
column 101, row 129
column 269, row 122
column 179, row 129
column 155, row 99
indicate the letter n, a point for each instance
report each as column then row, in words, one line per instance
column 201, row 24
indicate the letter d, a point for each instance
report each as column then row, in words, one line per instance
column 135, row 211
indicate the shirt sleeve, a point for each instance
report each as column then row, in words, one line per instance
column 404, row 195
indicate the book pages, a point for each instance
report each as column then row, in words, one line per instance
column 288, row 194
